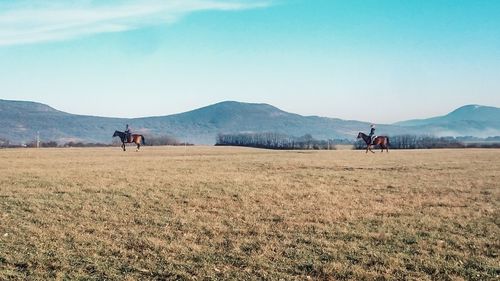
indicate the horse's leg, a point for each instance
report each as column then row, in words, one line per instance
column 371, row 149
column 138, row 146
column 123, row 146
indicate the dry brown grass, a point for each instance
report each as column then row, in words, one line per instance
column 234, row 213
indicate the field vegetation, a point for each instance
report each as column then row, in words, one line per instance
column 208, row 213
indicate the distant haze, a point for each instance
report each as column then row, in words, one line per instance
column 378, row 61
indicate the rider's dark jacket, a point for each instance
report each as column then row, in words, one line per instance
column 128, row 133
column 372, row 132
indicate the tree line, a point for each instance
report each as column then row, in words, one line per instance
column 150, row 141
column 429, row 142
column 282, row 141
column 272, row 141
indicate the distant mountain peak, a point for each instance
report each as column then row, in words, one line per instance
column 243, row 104
column 475, row 112
column 471, row 107
column 23, row 106
column 237, row 108
column 469, row 120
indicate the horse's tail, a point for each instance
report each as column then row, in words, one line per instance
column 143, row 140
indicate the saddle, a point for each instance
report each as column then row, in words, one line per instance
column 373, row 139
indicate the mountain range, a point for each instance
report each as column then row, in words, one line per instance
column 21, row 120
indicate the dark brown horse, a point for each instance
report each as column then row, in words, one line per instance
column 134, row 138
column 382, row 141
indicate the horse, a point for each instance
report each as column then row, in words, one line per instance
column 135, row 138
column 383, row 141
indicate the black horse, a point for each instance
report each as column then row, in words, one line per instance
column 134, row 138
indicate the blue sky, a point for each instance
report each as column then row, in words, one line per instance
column 377, row 61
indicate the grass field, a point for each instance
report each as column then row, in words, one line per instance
column 204, row 213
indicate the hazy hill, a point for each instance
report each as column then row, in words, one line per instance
column 20, row 121
column 469, row 120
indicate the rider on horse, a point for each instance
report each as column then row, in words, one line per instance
column 372, row 133
column 128, row 133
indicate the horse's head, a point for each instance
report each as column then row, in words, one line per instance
column 115, row 134
column 359, row 135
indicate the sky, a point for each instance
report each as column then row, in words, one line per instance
column 378, row 61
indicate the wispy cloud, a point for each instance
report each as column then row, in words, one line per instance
column 25, row 22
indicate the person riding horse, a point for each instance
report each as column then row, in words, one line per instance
column 372, row 133
column 371, row 140
column 128, row 137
